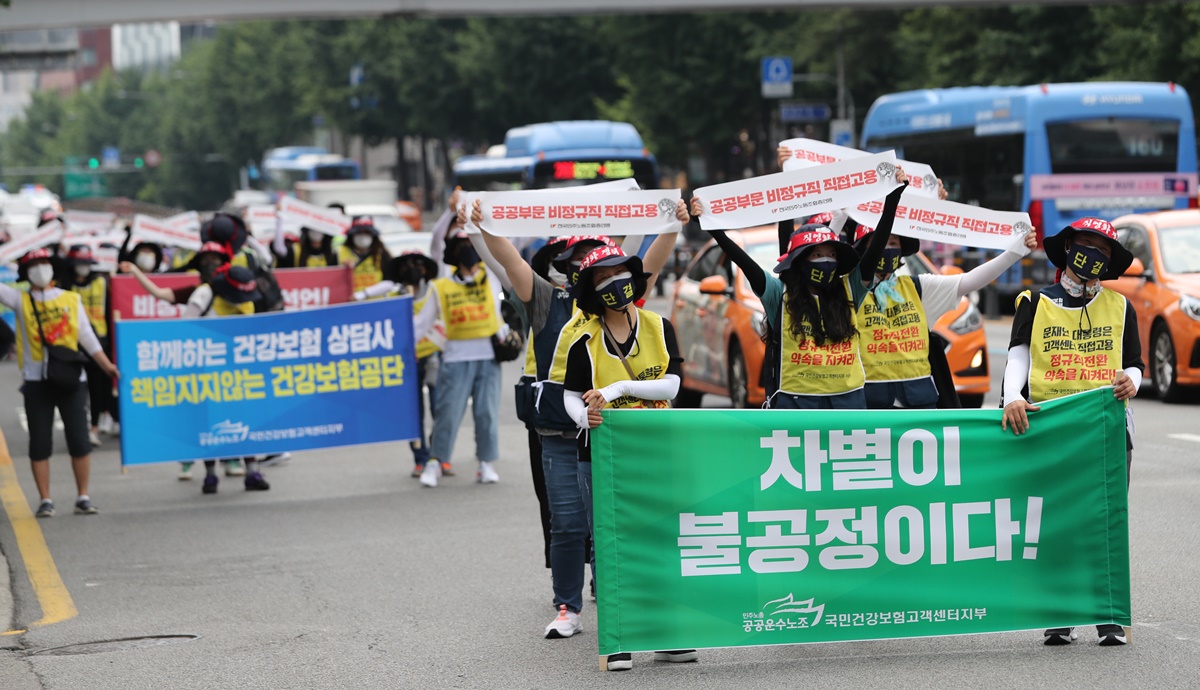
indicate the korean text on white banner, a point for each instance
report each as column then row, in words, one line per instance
column 772, row 198
column 50, row 233
column 536, row 214
column 467, row 199
column 949, row 222
column 89, row 221
column 297, row 213
column 809, row 153
column 116, row 239
column 158, row 231
column 186, row 221
column 261, row 220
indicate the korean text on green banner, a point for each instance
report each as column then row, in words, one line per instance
column 728, row 528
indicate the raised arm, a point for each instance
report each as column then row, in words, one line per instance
column 754, row 273
column 879, row 238
column 983, row 274
column 506, row 257
column 164, row 294
column 663, row 247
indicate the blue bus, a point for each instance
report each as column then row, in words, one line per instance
column 1047, row 149
column 283, row 167
column 560, row 154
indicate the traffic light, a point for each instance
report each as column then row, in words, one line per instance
column 94, row 163
column 138, row 162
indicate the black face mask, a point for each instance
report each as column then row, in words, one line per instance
column 467, row 256
column 1087, row 262
column 819, row 272
column 890, row 261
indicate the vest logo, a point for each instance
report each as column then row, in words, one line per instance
column 225, row 433
column 785, row 614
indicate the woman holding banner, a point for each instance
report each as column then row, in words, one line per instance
column 314, row 249
column 53, row 333
column 93, row 290
column 364, row 253
column 813, row 343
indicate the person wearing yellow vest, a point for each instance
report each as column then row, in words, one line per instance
column 53, row 323
column 622, row 357
column 93, row 289
column 313, row 249
column 894, row 318
column 364, row 253
column 1071, row 337
column 813, row 357
column 468, row 302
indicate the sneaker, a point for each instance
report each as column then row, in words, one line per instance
column 84, row 507
column 1059, row 636
column 448, row 470
column 429, row 476
column 678, row 656
column 46, row 509
column 566, row 625
column 233, row 468
column 487, row 474
column 1111, row 635
column 210, row 484
column 116, row 429
column 255, row 482
column 275, row 459
column 94, row 438
column 105, row 424
column 620, row 662
column 185, row 471
column 417, row 470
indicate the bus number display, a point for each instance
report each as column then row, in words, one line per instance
column 592, row 170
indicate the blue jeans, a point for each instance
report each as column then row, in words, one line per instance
column 854, row 400
column 918, row 394
column 457, row 381
column 569, row 522
column 585, row 489
column 420, row 449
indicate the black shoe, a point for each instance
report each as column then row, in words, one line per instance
column 84, row 507
column 255, row 482
column 1111, row 635
column 1056, row 637
column 678, row 656
column 46, row 509
column 210, row 484
column 620, row 662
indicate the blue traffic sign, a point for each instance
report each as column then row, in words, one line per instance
column 110, row 157
column 804, row 112
column 776, row 77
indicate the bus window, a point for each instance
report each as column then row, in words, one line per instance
column 975, row 170
column 335, row 172
column 1113, row 145
column 492, row 182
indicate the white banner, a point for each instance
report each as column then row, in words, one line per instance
column 147, row 229
column 535, row 214
column 50, row 233
column 948, row 222
column 772, row 198
column 810, row 153
column 186, row 221
column 115, row 238
column 296, row 213
column 261, row 220
column 89, row 221
column 106, row 260
column 467, row 199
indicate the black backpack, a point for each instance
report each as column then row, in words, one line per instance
column 270, row 294
column 514, row 315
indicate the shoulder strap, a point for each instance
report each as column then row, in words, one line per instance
column 613, row 343
column 37, row 317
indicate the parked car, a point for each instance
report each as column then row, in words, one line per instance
column 1163, row 285
column 719, row 321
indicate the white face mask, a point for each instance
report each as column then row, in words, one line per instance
column 315, row 236
column 556, row 276
column 363, row 241
column 145, row 261
column 82, row 271
column 41, row 275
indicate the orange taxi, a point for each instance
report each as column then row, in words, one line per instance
column 718, row 322
column 1163, row 285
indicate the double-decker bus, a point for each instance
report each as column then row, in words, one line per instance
column 284, row 167
column 1058, row 151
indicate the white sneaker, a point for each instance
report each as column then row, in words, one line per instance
column 94, row 439
column 487, row 475
column 566, row 625
column 185, row 471
column 429, row 476
column 106, row 423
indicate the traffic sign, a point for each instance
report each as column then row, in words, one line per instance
column 792, row 111
column 110, row 158
column 841, row 132
column 777, row 77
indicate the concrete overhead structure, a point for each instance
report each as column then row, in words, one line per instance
column 29, row 14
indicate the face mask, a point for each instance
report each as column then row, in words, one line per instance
column 1087, row 262
column 820, row 272
column 573, row 274
column 207, row 269
column 890, row 261
column 363, row 241
column 145, row 261
column 315, row 237
column 467, row 257
column 83, row 271
column 617, row 291
column 556, row 276
column 41, row 275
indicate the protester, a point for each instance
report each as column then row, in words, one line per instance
column 364, row 253
column 314, row 249
column 92, row 287
column 813, row 344
column 1100, row 322
column 52, row 328
column 621, row 358
column 470, row 306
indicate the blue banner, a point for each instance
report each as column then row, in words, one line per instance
column 199, row 389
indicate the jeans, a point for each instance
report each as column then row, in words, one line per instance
column 458, row 381
column 420, row 449
column 538, row 470
column 585, row 488
column 854, row 400
column 918, row 394
column 569, row 524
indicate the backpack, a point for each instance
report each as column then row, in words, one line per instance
column 271, row 295
column 514, row 315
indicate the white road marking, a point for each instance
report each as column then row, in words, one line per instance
column 1194, row 438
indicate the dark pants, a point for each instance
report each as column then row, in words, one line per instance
column 7, row 338
column 854, row 400
column 918, row 394
column 539, row 488
column 41, row 397
column 420, row 447
column 100, row 387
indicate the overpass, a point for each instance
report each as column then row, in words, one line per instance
column 45, row 14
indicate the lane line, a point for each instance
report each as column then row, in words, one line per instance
column 52, row 595
column 1194, row 438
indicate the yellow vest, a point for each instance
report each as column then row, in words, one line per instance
column 367, row 271
column 223, row 307
column 649, row 359
column 426, row 346
column 94, row 296
column 314, row 261
column 1066, row 359
column 567, row 338
column 469, row 311
column 530, row 357
column 60, row 322
column 806, row 368
column 894, row 342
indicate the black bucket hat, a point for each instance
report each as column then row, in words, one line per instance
column 428, row 265
column 80, row 255
column 227, row 229
column 807, row 238
column 862, row 237
column 1118, row 263
column 547, row 255
column 236, row 285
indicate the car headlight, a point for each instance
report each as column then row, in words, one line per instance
column 971, row 320
column 1190, row 305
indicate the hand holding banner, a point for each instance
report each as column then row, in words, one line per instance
column 297, row 213
column 810, row 153
column 949, row 222
column 50, row 233
column 538, row 214
column 159, row 231
column 780, row 196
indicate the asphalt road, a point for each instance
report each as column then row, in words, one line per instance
column 348, row 574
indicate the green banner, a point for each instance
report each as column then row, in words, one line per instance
column 725, row 528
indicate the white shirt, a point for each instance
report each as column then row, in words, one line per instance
column 12, row 298
column 473, row 350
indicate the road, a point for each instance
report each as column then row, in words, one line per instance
column 348, row 574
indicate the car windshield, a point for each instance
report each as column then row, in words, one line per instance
column 1180, row 249
column 765, row 254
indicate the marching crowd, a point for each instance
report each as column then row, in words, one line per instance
column 575, row 309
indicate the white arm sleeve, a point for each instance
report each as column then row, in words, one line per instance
column 265, row 255
column 839, row 221
column 665, row 388
column 502, row 334
column 277, row 243
column 87, row 336
column 1135, row 375
column 576, row 408
column 198, row 302
column 423, row 320
column 9, row 296
column 493, row 266
column 1016, row 374
column 379, row 289
column 984, row 274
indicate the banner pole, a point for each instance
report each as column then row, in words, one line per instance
column 116, row 315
